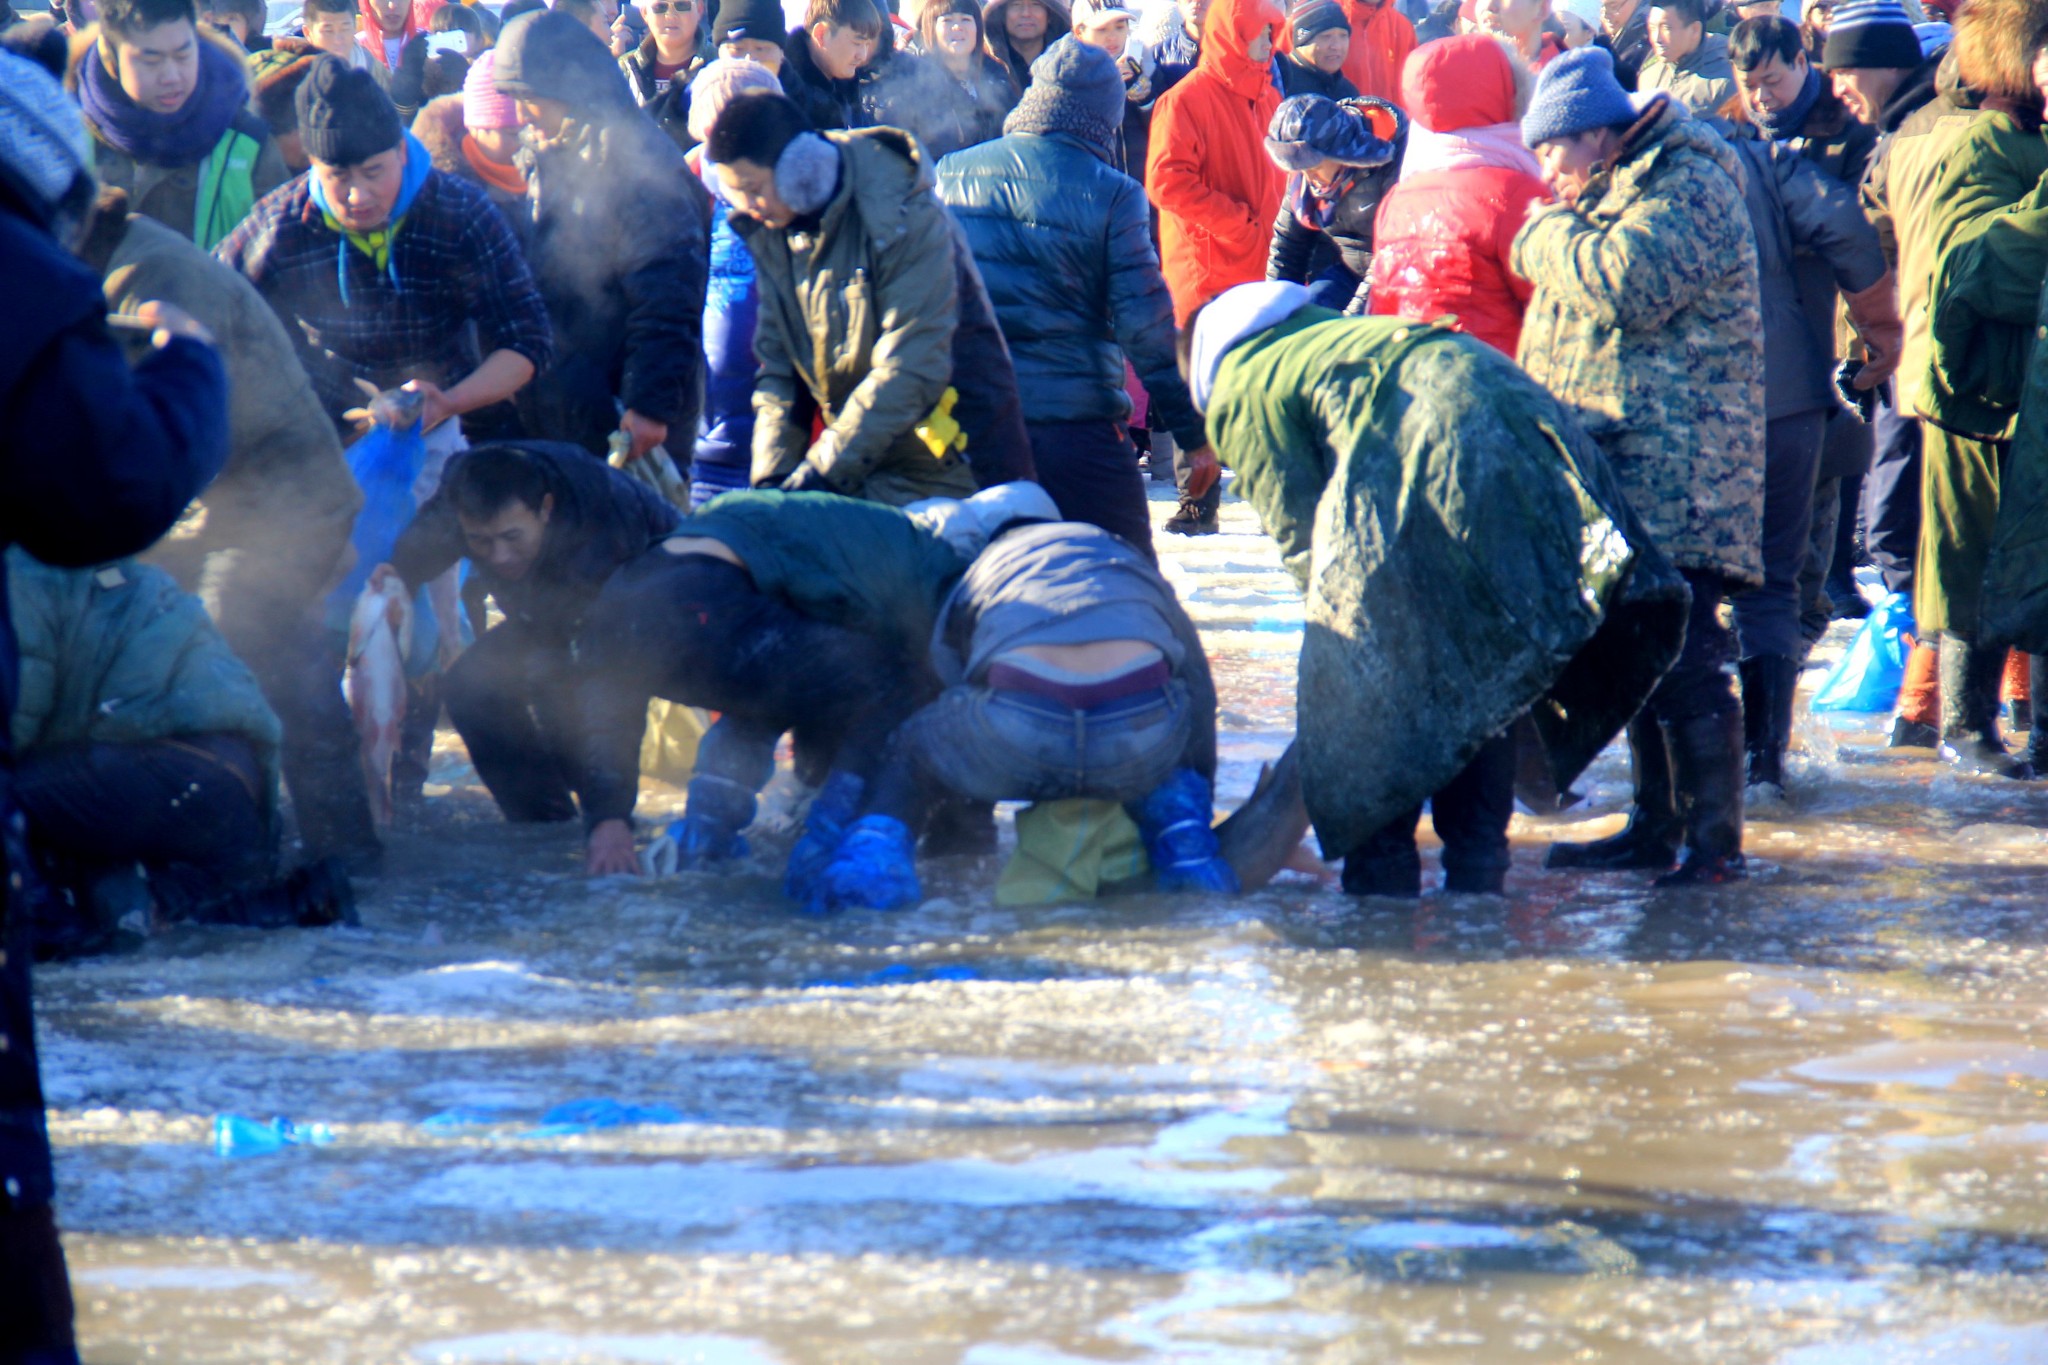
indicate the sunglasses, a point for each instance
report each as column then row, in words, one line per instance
column 672, row 7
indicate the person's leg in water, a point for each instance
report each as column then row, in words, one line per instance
column 1891, row 537
column 490, row 694
column 1767, row 618
column 1697, row 707
column 1471, row 815
column 1195, row 516
column 693, row 629
column 188, row 812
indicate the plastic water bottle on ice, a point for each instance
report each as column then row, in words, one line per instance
column 234, row 1135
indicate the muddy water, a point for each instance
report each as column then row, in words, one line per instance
column 1799, row 1120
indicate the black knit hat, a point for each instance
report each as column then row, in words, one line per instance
column 757, row 19
column 1310, row 17
column 345, row 118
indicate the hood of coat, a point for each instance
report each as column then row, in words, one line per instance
column 550, row 56
column 1463, row 82
column 440, row 129
column 1227, row 34
column 1994, row 44
column 883, row 169
column 1665, row 130
column 1059, row 22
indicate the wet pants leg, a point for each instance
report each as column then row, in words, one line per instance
column 1090, row 469
column 507, row 698
column 1891, row 501
column 1470, row 814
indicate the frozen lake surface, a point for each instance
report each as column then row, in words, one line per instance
column 1799, row 1120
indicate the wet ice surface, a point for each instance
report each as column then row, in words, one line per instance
column 1800, row 1120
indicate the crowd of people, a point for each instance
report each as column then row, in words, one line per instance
column 1574, row 362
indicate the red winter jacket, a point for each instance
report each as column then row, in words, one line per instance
column 1207, row 172
column 1442, row 236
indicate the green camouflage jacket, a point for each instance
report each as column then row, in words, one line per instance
column 1645, row 324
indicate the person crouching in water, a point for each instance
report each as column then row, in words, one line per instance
column 1071, row 672
column 1466, row 556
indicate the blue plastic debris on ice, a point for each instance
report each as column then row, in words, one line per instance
column 235, row 1136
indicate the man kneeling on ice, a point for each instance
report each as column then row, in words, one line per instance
column 1466, row 556
column 1071, row 672
column 788, row 613
column 543, row 525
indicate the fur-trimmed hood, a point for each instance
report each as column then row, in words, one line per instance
column 440, row 129
column 1994, row 47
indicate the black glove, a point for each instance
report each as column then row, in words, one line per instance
column 1862, row 402
column 408, row 80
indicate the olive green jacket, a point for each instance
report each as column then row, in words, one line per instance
column 859, row 309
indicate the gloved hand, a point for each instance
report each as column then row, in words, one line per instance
column 1174, row 820
column 1875, row 315
column 408, row 81
column 876, row 867
column 708, row 833
column 835, row 807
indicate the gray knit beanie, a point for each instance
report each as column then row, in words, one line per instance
column 42, row 137
column 1075, row 89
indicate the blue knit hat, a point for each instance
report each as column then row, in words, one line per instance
column 1309, row 129
column 1575, row 94
column 1871, row 33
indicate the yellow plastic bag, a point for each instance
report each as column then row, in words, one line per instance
column 941, row 432
column 668, row 746
column 1069, row 850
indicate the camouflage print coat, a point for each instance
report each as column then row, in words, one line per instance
column 1645, row 324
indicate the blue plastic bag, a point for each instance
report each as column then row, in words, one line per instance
column 1874, row 666
column 386, row 463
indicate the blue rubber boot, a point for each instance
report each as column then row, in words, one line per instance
column 875, row 868
column 1174, row 820
column 837, row 803
column 709, row 832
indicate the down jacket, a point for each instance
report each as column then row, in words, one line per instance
column 620, row 245
column 1446, row 229
column 1644, row 323
column 859, row 312
column 1064, row 244
column 1207, row 171
column 121, row 655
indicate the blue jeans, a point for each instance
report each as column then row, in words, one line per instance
column 989, row 745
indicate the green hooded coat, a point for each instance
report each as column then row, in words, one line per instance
column 1465, row 553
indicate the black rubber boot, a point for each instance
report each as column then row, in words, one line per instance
column 1396, row 874
column 1969, row 710
column 1707, row 770
column 1650, row 839
column 1770, row 682
column 312, row 897
column 960, row 827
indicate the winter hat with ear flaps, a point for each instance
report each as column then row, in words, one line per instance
column 1575, row 94
column 1309, row 129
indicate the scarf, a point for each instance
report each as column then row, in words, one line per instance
column 377, row 242
column 1494, row 145
column 1313, row 207
column 505, row 179
column 181, row 139
column 1777, row 125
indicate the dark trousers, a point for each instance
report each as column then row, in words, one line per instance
column 1700, row 683
column 299, row 667
column 1891, row 501
column 511, row 698
column 695, row 630
column 1470, row 814
column 1210, row 500
column 188, row 811
column 1090, row 469
column 1767, row 617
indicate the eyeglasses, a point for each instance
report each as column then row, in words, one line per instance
column 672, row 7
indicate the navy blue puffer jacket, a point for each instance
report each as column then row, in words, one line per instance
column 1064, row 244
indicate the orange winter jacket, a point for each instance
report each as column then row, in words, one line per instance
column 1381, row 39
column 1216, row 190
